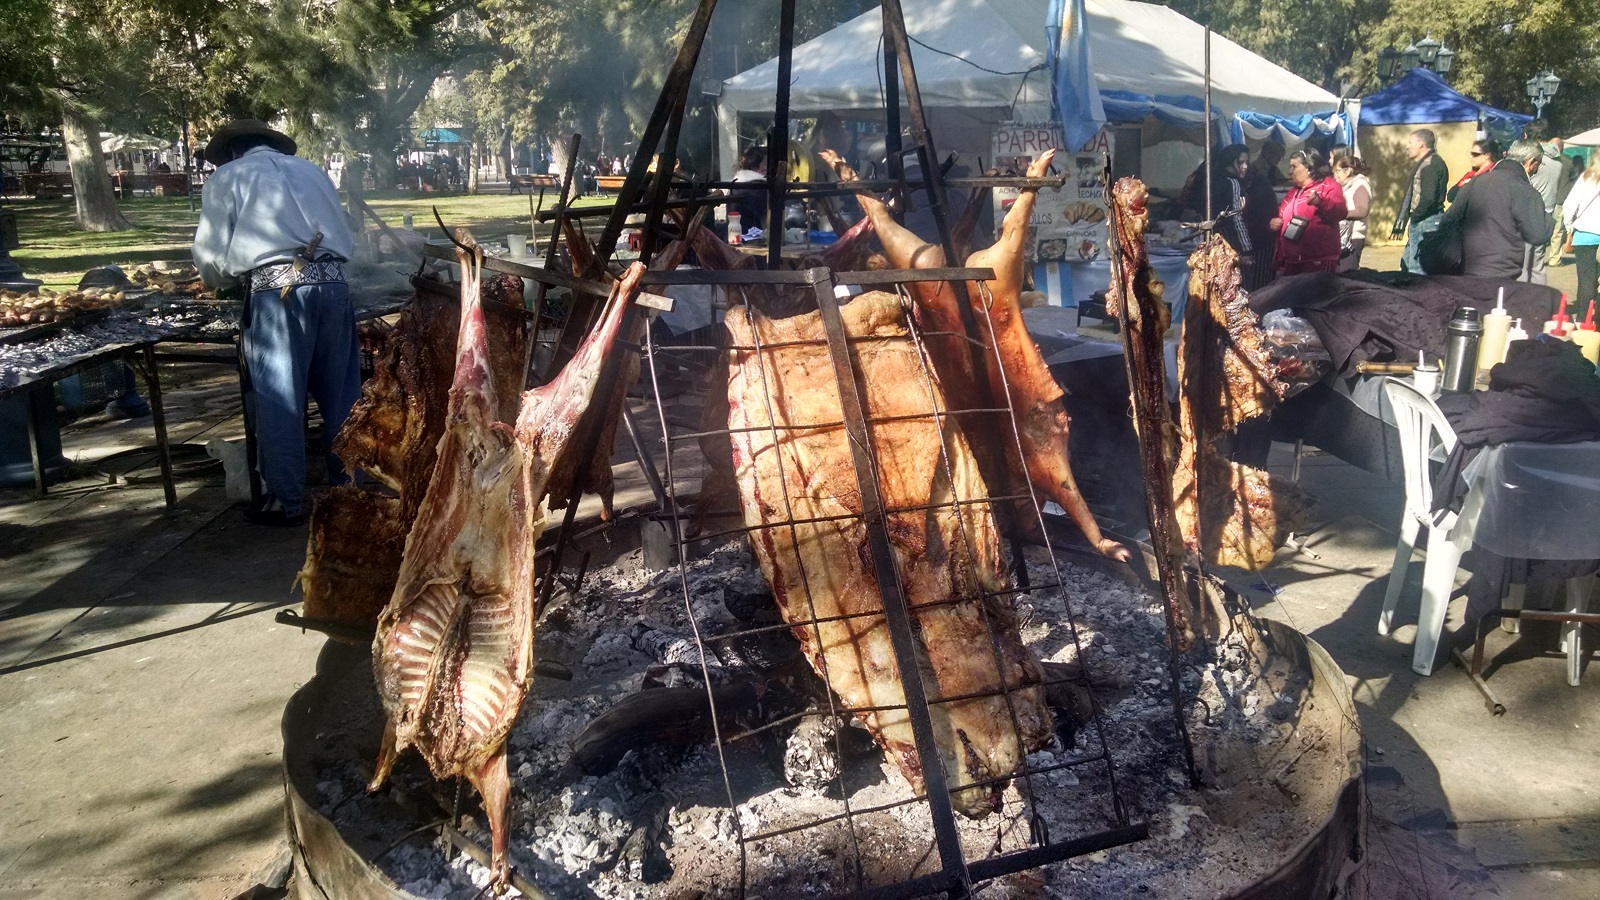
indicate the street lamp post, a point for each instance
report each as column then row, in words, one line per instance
column 1426, row 53
column 1541, row 90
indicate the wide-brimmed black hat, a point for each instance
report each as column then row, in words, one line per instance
column 216, row 152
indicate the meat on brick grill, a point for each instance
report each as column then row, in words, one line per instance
column 1014, row 359
column 800, row 470
column 454, row 650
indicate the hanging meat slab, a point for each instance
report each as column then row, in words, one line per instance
column 454, row 650
column 1226, row 377
column 1012, row 362
column 352, row 556
column 1136, row 299
column 393, row 430
column 794, row 465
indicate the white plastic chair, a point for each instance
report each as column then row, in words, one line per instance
column 1422, row 428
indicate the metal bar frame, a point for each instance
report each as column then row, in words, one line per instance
column 956, row 874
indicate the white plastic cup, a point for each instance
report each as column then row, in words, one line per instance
column 1426, row 379
column 517, row 244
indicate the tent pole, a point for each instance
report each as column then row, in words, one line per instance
column 778, row 138
column 893, row 147
column 1210, row 139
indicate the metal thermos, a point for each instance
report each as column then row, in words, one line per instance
column 1461, row 350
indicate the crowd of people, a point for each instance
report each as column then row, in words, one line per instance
column 1514, row 213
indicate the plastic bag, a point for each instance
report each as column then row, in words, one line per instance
column 1296, row 348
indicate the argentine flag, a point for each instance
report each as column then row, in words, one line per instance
column 1072, row 88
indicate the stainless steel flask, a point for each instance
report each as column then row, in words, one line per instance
column 1461, row 350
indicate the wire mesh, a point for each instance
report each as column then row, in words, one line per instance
column 1023, row 837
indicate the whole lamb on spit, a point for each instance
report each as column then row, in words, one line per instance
column 1014, row 359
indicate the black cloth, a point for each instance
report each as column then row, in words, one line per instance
column 1391, row 316
column 1499, row 217
column 1545, row 391
column 1228, row 196
column 1257, row 268
column 1425, row 192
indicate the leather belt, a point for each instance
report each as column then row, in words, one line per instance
column 278, row 276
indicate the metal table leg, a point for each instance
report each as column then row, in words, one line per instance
column 158, row 416
column 34, row 454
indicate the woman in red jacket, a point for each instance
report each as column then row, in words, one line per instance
column 1308, row 219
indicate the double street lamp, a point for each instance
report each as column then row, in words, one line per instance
column 1541, row 90
column 1427, row 53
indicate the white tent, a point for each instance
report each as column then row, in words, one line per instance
column 987, row 57
column 1590, row 138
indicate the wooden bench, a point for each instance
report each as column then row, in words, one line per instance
column 543, row 182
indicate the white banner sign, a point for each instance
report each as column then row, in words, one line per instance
column 1068, row 224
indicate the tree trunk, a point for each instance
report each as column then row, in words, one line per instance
column 472, row 167
column 385, row 174
column 559, row 153
column 355, row 173
column 507, row 163
column 91, row 184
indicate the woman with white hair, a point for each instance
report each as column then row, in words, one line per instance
column 1582, row 214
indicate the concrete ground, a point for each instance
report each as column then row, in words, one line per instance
column 142, row 679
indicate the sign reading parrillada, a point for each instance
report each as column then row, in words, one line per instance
column 1069, row 223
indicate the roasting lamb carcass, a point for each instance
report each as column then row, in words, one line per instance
column 454, row 650
column 1013, row 361
column 354, row 546
column 794, row 465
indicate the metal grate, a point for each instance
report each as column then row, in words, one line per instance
column 958, row 864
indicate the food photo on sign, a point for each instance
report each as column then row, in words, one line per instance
column 1069, row 223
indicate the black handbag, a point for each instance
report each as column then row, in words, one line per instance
column 1440, row 251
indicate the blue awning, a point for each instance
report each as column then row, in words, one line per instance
column 441, row 136
column 1421, row 97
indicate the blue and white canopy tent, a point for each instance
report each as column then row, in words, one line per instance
column 980, row 62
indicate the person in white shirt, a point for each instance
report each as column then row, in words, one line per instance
column 1582, row 213
column 1351, row 174
column 271, row 224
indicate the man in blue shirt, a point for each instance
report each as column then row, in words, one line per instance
column 272, row 224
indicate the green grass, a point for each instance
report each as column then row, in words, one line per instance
column 57, row 253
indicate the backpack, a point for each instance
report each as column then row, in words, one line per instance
column 1440, row 251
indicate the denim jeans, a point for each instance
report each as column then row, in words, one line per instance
column 295, row 344
column 1409, row 262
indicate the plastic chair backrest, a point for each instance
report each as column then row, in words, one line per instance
column 1422, row 427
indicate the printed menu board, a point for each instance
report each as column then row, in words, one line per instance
column 1069, row 223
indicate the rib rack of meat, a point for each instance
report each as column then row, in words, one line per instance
column 800, row 494
column 1242, row 513
column 1012, row 359
column 454, row 650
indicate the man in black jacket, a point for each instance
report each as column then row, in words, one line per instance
column 1501, row 215
column 1419, row 214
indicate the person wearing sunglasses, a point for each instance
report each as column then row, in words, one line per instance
column 1484, row 155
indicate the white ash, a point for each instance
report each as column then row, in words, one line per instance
column 659, row 823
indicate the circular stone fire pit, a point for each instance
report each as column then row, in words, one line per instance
column 1275, row 738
